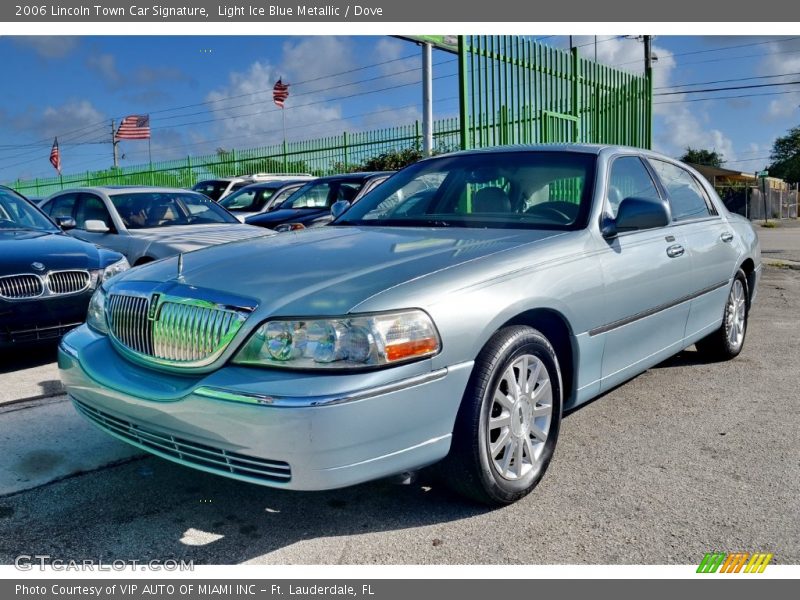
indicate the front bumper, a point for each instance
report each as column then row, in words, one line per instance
column 41, row 319
column 283, row 429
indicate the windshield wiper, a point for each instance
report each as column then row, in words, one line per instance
column 398, row 223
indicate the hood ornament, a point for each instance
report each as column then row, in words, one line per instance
column 180, row 266
column 37, row 266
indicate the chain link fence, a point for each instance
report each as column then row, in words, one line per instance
column 758, row 204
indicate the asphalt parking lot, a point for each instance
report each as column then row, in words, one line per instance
column 687, row 458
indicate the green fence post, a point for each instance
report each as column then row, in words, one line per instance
column 575, row 93
column 463, row 111
column 37, row 187
column 344, row 140
column 189, row 174
column 285, row 158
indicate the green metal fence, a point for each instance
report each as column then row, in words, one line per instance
column 319, row 157
column 512, row 91
column 516, row 91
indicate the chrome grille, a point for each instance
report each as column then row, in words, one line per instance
column 15, row 287
column 68, row 282
column 181, row 450
column 183, row 333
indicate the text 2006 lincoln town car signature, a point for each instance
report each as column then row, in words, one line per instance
column 453, row 313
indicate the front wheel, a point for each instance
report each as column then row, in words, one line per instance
column 727, row 341
column 508, row 422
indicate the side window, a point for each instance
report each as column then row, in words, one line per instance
column 687, row 199
column 62, row 206
column 91, row 208
column 629, row 178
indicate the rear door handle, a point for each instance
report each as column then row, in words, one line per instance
column 675, row 251
column 726, row 237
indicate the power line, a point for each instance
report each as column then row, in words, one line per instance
column 728, row 88
column 678, row 85
column 721, row 49
column 727, row 97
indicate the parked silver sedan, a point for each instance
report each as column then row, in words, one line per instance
column 451, row 316
column 147, row 223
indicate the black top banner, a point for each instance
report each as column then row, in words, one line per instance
column 407, row 11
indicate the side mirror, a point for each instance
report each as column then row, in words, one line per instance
column 339, row 208
column 634, row 214
column 95, row 226
column 66, row 223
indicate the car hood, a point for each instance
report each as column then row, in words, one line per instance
column 287, row 215
column 54, row 250
column 330, row 270
column 193, row 237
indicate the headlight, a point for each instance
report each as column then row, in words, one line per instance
column 289, row 227
column 96, row 317
column 348, row 342
column 115, row 269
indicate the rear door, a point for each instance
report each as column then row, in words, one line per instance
column 709, row 243
column 647, row 276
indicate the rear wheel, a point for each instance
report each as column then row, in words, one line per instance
column 508, row 422
column 727, row 341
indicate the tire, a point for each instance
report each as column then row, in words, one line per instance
column 727, row 341
column 503, row 441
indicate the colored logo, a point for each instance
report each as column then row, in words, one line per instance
column 38, row 266
column 736, row 562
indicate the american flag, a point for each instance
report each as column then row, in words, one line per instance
column 134, row 127
column 280, row 93
column 55, row 156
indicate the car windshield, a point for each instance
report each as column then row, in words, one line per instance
column 248, row 199
column 536, row 189
column 17, row 213
column 139, row 210
column 213, row 188
column 322, row 194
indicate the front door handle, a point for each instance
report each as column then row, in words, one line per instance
column 675, row 251
column 726, row 237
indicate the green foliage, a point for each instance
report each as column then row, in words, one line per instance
column 700, row 156
column 785, row 156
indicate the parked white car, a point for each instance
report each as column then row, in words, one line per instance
column 218, row 188
column 147, row 223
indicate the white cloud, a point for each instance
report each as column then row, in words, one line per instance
column 47, row 46
column 784, row 57
column 105, row 65
column 70, row 116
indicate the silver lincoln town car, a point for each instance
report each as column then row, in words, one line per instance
column 453, row 314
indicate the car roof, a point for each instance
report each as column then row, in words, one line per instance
column 354, row 176
column 579, row 148
column 113, row 190
column 274, row 184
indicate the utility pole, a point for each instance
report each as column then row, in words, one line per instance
column 114, row 143
column 427, row 99
column 648, row 53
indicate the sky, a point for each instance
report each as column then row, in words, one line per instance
column 210, row 93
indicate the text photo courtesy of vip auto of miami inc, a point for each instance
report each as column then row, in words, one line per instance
column 398, row 300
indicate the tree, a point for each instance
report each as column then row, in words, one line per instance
column 785, row 156
column 699, row 156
